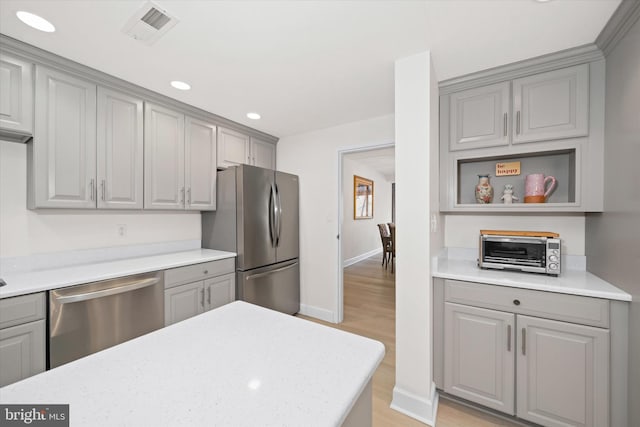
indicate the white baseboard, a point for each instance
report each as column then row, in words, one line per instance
column 317, row 312
column 424, row 410
column 355, row 259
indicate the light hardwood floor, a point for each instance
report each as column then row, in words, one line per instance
column 369, row 310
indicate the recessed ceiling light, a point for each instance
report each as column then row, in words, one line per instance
column 35, row 21
column 180, row 85
column 253, row 116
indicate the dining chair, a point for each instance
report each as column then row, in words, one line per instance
column 392, row 252
column 385, row 238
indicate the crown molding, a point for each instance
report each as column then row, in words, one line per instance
column 538, row 64
column 625, row 16
column 30, row 53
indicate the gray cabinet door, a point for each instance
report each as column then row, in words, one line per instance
column 563, row 373
column 163, row 158
column 479, row 117
column 183, row 302
column 479, row 357
column 233, row 148
column 62, row 157
column 263, row 154
column 16, row 102
column 22, row 351
column 200, row 165
column 119, row 150
column 220, row 291
column 551, row 105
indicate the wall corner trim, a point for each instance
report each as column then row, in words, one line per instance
column 317, row 313
column 627, row 13
column 414, row 406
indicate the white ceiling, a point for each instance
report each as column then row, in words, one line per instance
column 382, row 160
column 304, row 65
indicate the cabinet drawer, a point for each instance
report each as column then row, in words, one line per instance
column 569, row 308
column 22, row 309
column 192, row 273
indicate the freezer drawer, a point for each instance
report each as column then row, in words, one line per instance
column 276, row 287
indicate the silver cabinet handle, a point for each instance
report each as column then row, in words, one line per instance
column 75, row 297
column 189, row 196
column 518, row 123
column 504, row 126
column 508, row 337
column 209, row 295
column 103, row 185
column 524, row 341
column 182, row 196
column 202, row 297
column 91, row 188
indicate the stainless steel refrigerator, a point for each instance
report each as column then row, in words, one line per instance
column 257, row 217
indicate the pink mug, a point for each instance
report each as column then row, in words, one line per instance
column 534, row 188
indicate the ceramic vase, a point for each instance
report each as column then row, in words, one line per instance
column 484, row 190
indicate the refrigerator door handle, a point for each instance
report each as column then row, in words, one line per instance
column 272, row 215
column 266, row 273
column 279, row 217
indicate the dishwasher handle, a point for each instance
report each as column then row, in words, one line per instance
column 139, row 284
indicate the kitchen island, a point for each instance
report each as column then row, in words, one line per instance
column 238, row 365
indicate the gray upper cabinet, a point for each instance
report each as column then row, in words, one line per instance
column 16, row 102
column 200, row 165
column 62, row 158
column 163, row 158
column 479, row 355
column 563, row 376
column 479, row 117
column 233, row 148
column 263, row 154
column 551, row 105
column 119, row 150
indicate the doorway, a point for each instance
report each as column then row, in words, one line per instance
column 359, row 239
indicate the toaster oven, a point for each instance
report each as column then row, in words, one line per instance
column 526, row 251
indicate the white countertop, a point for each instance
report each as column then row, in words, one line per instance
column 574, row 282
column 26, row 282
column 238, row 365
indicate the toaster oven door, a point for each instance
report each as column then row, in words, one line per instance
column 514, row 251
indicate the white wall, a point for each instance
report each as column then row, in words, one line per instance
column 361, row 237
column 313, row 156
column 416, row 114
column 26, row 232
column 461, row 231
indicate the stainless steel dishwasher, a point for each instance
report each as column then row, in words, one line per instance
column 87, row 318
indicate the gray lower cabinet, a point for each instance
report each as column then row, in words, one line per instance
column 479, row 357
column 62, row 158
column 194, row 289
column 183, row 302
column 16, row 102
column 22, row 337
column 540, row 356
column 563, row 373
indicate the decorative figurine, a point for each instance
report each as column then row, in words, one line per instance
column 484, row 190
column 507, row 195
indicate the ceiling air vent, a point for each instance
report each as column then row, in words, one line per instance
column 149, row 23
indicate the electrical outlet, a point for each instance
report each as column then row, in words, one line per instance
column 122, row 229
column 434, row 223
